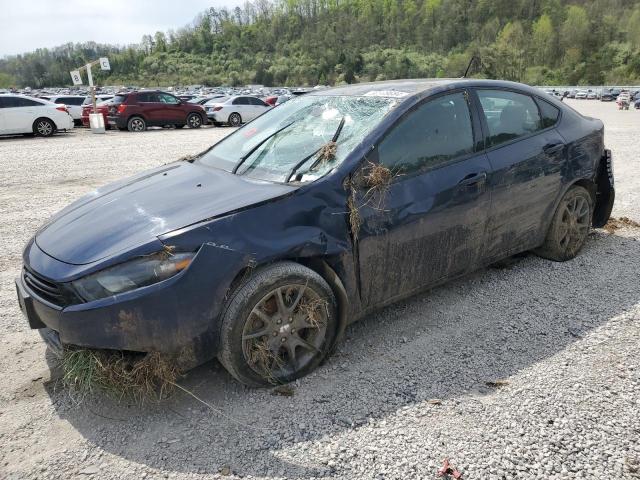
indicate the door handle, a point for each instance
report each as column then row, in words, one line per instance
column 552, row 148
column 473, row 179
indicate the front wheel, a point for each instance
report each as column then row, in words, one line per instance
column 569, row 227
column 194, row 120
column 136, row 124
column 278, row 326
column 235, row 120
column 43, row 127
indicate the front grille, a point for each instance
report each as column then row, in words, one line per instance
column 45, row 289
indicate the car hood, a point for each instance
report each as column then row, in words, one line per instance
column 133, row 212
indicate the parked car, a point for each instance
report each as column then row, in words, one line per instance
column 203, row 100
column 73, row 103
column 135, row 111
column 636, row 104
column 101, row 107
column 607, row 96
column 581, row 94
column 235, row 110
column 623, row 100
column 22, row 114
column 271, row 100
column 262, row 249
column 282, row 99
column 591, row 95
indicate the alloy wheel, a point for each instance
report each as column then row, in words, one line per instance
column 574, row 225
column 137, row 125
column 44, row 128
column 285, row 331
column 194, row 121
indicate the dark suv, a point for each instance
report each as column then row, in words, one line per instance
column 135, row 111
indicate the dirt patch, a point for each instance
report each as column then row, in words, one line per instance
column 617, row 223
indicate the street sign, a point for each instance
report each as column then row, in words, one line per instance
column 104, row 63
column 75, row 76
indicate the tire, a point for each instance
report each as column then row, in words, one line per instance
column 235, row 120
column 255, row 348
column 194, row 120
column 569, row 226
column 136, row 124
column 43, row 127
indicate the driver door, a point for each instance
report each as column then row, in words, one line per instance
column 429, row 222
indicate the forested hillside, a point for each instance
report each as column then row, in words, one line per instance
column 309, row 42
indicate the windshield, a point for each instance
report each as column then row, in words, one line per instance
column 300, row 140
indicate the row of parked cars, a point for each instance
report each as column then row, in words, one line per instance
column 128, row 110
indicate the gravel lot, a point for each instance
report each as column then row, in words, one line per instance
column 411, row 385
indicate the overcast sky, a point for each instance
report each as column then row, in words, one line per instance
column 29, row 24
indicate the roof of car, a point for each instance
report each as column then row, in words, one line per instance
column 405, row 88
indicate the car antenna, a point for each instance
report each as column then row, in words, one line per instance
column 473, row 58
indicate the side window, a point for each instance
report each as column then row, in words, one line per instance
column 26, row 102
column 509, row 115
column 147, row 97
column 257, row 102
column 436, row 132
column 549, row 113
column 166, row 98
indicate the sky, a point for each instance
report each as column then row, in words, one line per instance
column 29, row 24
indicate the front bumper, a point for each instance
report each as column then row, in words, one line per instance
column 178, row 316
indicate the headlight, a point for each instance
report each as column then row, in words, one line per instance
column 130, row 275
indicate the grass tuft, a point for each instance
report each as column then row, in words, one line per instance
column 138, row 377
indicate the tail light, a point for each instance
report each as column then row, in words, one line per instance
column 62, row 108
column 121, row 108
column 215, row 109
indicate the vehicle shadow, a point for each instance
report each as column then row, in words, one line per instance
column 443, row 344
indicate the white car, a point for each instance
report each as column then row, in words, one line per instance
column 581, row 94
column 235, row 110
column 73, row 102
column 22, row 114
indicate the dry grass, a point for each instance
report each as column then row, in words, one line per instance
column 311, row 309
column 616, row 223
column 119, row 374
column 327, row 153
column 355, row 221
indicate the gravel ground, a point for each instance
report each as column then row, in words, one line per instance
column 529, row 371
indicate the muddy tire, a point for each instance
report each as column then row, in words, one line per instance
column 43, row 127
column 278, row 325
column 136, row 124
column 569, row 227
column 235, row 120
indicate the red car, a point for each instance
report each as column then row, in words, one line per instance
column 102, row 107
column 271, row 100
column 135, row 111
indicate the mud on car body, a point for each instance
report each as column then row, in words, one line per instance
column 263, row 248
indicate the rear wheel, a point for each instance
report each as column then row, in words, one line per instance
column 278, row 326
column 569, row 226
column 136, row 124
column 43, row 127
column 194, row 120
column 235, row 120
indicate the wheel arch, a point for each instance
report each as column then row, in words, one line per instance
column 319, row 266
column 33, row 125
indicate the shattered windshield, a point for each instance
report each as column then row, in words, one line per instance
column 301, row 140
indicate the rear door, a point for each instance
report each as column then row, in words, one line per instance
column 526, row 155
column 429, row 222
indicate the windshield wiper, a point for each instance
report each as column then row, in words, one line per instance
column 293, row 171
column 256, row 147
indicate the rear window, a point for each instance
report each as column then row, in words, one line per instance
column 120, row 98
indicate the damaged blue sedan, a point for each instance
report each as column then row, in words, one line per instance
column 262, row 249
